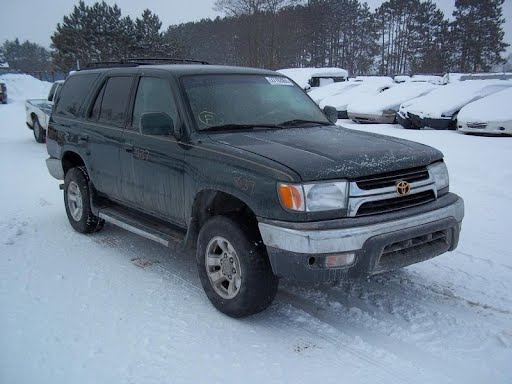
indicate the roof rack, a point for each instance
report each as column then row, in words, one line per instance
column 136, row 61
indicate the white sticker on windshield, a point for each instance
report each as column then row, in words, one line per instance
column 279, row 80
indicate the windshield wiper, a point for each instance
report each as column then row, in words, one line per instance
column 297, row 122
column 234, row 127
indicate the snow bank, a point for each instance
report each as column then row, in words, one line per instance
column 357, row 94
column 447, row 100
column 21, row 87
column 391, row 99
column 495, row 107
column 320, row 93
column 302, row 75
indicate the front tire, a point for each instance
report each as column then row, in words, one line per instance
column 234, row 268
column 39, row 133
column 78, row 203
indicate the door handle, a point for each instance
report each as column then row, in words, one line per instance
column 128, row 148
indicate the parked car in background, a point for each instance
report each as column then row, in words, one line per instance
column 402, row 78
column 382, row 107
column 308, row 78
column 3, row 93
column 439, row 108
column 489, row 115
column 318, row 94
column 429, row 78
column 378, row 79
column 38, row 112
column 360, row 93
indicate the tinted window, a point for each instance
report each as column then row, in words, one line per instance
column 95, row 112
column 52, row 92
column 115, row 100
column 153, row 95
column 73, row 94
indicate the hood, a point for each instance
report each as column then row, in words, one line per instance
column 323, row 153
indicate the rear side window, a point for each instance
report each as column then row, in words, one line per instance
column 52, row 92
column 153, row 95
column 114, row 100
column 73, row 94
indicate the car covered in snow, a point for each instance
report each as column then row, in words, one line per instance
column 240, row 166
column 308, row 78
column 3, row 93
column 434, row 79
column 319, row 94
column 439, row 108
column 490, row 115
column 357, row 94
column 382, row 107
column 38, row 112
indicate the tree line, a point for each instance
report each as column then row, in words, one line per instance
column 399, row 37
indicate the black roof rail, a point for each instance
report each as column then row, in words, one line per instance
column 136, row 61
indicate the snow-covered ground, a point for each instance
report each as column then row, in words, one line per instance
column 116, row 308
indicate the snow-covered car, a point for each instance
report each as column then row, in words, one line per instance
column 489, row 115
column 439, row 108
column 38, row 112
column 3, row 93
column 360, row 93
column 439, row 80
column 379, row 79
column 308, row 78
column 402, row 78
column 318, row 94
column 382, row 107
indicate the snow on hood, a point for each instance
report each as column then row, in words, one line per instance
column 353, row 95
column 391, row 99
column 495, row 107
column 21, row 87
column 449, row 99
column 302, row 75
column 320, row 93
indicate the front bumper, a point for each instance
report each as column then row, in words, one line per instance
column 441, row 123
column 381, row 243
column 488, row 128
column 365, row 118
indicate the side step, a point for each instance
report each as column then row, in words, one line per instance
column 140, row 224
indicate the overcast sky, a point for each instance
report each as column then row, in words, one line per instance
column 36, row 20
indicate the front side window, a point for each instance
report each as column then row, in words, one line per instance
column 217, row 100
column 153, row 95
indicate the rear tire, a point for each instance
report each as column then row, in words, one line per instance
column 234, row 268
column 39, row 133
column 77, row 202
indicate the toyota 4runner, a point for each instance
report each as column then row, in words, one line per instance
column 242, row 166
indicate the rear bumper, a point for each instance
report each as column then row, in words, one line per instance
column 55, row 168
column 297, row 252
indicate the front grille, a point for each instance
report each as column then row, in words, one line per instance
column 396, row 203
column 477, row 125
column 391, row 178
column 406, row 252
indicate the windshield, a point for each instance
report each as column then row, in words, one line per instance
column 248, row 100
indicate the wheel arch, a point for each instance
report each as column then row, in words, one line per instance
column 71, row 159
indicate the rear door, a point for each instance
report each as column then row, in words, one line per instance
column 106, row 119
column 152, row 166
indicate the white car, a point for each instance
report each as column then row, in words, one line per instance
column 361, row 92
column 490, row 115
column 382, row 107
column 318, row 94
column 439, row 108
column 308, row 78
column 439, row 80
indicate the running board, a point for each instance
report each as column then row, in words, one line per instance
column 142, row 225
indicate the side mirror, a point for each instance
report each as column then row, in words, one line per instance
column 331, row 113
column 156, row 124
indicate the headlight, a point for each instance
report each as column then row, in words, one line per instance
column 326, row 196
column 440, row 174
